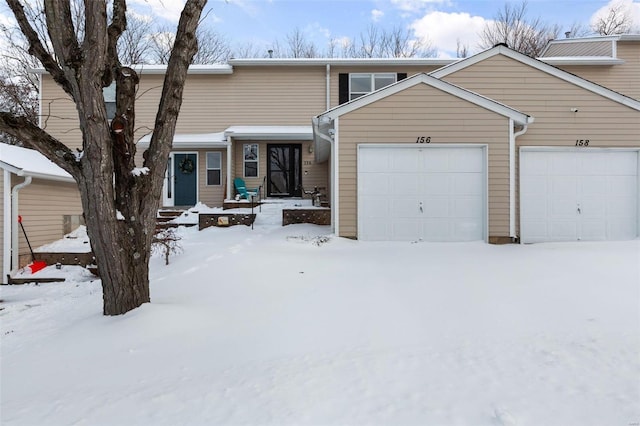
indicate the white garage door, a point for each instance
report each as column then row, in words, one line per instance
column 584, row 195
column 432, row 193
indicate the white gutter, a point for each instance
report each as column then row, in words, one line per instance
column 335, row 181
column 229, row 194
column 14, row 221
column 328, row 86
column 512, row 176
column 6, row 243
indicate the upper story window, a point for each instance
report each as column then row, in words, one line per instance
column 109, row 94
column 214, row 168
column 251, row 160
column 362, row 83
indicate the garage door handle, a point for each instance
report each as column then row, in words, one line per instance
column 579, row 211
column 421, row 211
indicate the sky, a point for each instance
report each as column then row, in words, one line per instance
column 442, row 22
column 259, row 23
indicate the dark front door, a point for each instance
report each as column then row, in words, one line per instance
column 284, row 178
column 185, row 172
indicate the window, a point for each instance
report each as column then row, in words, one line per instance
column 251, row 160
column 361, row 83
column 214, row 168
column 109, row 94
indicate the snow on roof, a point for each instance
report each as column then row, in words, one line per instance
column 581, row 60
column 212, row 140
column 29, row 162
column 270, row 132
column 162, row 69
column 191, row 140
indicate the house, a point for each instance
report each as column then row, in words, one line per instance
column 43, row 194
column 497, row 147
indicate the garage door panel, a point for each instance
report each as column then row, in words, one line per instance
column 434, row 160
column 592, row 195
column 375, row 184
column 465, row 161
column 467, row 184
column 376, row 229
column 467, row 230
column 434, row 184
column 371, row 207
column 621, row 163
column 438, row 193
column 373, row 162
column 403, row 161
column 465, row 207
column 405, row 184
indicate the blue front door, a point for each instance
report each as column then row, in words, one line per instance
column 185, row 172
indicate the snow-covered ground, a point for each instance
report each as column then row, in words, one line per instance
column 289, row 325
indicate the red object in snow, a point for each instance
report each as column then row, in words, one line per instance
column 35, row 265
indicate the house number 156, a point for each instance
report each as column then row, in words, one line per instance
column 423, row 139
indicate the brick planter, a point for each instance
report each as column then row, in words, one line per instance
column 315, row 216
column 206, row 220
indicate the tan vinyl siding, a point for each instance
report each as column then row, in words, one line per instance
column 624, row 78
column 317, row 174
column 549, row 100
column 424, row 111
column 249, row 96
column 2, row 279
column 211, row 195
column 43, row 205
column 337, row 70
column 574, row 48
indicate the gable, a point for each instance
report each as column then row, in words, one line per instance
column 564, row 111
column 484, row 60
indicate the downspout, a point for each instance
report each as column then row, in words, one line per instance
column 328, row 90
column 14, row 221
column 229, row 194
column 6, row 243
column 512, row 176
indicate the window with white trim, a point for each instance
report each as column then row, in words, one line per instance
column 251, row 160
column 362, row 83
column 109, row 94
column 214, row 168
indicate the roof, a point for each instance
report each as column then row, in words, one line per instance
column 340, row 61
column 161, row 69
column 191, row 140
column 219, row 139
column 270, row 132
column 423, row 78
column 29, row 162
column 540, row 65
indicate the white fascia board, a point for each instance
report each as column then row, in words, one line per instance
column 422, row 78
column 542, row 66
column 293, row 133
column 274, row 62
column 581, row 60
column 162, row 69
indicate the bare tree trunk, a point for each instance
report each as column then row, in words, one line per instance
column 120, row 203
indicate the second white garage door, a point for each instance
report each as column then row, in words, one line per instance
column 430, row 193
column 578, row 195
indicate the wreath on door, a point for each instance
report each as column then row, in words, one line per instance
column 186, row 166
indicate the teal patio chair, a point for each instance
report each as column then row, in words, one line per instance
column 243, row 191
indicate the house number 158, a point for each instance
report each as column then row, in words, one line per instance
column 423, row 139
